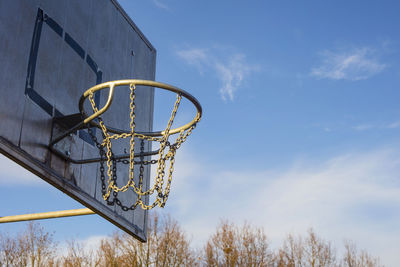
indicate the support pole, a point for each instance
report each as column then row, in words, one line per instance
column 46, row 215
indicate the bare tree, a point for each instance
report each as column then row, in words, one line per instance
column 78, row 256
column 136, row 253
column 221, row 248
column 310, row 251
column 292, row 252
column 34, row 247
column 39, row 244
column 253, row 248
column 8, row 251
column 233, row 246
column 353, row 258
column 318, row 251
column 109, row 252
column 167, row 245
column 171, row 246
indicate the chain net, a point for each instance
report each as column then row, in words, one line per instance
column 166, row 154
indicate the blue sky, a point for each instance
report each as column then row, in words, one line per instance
column 301, row 121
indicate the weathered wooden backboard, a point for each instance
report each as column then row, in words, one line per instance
column 50, row 53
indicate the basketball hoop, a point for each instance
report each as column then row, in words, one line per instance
column 166, row 152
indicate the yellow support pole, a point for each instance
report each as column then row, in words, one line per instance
column 46, row 215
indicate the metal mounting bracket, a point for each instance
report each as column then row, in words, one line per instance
column 69, row 125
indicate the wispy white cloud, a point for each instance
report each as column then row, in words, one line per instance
column 363, row 127
column 232, row 74
column 160, row 4
column 232, row 69
column 355, row 64
column 354, row 196
column 197, row 57
column 377, row 126
column 13, row 174
column 394, row 125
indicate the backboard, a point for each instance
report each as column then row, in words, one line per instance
column 51, row 52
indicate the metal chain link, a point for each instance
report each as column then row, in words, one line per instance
column 102, row 174
column 110, row 186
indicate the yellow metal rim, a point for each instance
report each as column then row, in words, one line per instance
column 113, row 84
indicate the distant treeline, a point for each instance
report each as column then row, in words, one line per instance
column 169, row 245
